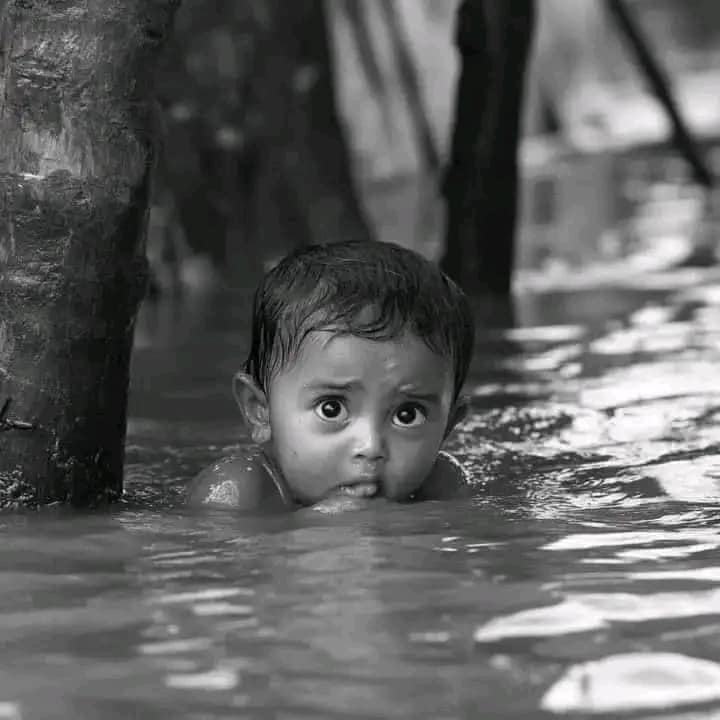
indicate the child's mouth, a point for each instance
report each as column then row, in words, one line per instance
column 361, row 489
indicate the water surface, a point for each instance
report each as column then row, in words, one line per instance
column 583, row 577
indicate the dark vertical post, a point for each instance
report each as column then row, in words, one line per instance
column 77, row 128
column 299, row 178
column 481, row 184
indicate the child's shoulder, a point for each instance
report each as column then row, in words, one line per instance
column 447, row 480
column 244, row 480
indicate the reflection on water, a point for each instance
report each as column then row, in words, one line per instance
column 581, row 578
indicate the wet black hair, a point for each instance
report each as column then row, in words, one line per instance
column 369, row 289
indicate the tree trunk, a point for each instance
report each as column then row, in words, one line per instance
column 481, row 184
column 298, row 182
column 76, row 120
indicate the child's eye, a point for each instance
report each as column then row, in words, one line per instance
column 331, row 410
column 409, row 416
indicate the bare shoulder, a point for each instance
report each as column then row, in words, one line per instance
column 240, row 482
column 448, row 479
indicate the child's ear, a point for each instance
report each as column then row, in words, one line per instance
column 253, row 405
column 457, row 413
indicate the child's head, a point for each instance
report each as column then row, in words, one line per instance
column 358, row 354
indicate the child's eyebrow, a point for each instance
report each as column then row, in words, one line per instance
column 412, row 392
column 409, row 391
column 335, row 386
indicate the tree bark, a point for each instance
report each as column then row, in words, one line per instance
column 77, row 123
column 298, row 182
column 481, row 184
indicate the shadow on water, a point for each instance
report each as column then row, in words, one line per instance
column 581, row 577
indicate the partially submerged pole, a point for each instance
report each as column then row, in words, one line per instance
column 299, row 186
column 77, row 123
column 481, row 183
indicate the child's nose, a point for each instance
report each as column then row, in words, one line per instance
column 370, row 442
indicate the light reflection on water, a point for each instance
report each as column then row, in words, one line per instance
column 583, row 575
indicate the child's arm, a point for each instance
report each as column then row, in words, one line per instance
column 240, row 483
column 448, row 479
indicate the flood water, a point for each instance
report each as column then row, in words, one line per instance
column 583, row 577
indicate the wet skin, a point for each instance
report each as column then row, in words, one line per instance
column 357, row 415
column 347, row 416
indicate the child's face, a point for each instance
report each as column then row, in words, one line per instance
column 359, row 416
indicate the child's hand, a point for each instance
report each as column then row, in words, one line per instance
column 338, row 502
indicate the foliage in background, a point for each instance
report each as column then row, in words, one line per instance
column 210, row 126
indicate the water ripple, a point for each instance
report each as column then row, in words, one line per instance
column 634, row 681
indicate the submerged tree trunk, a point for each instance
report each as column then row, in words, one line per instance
column 76, row 121
column 298, row 184
column 481, row 184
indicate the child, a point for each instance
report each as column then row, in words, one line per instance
column 359, row 352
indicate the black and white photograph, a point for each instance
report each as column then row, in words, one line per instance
column 359, row 359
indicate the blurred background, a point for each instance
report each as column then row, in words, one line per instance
column 255, row 162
